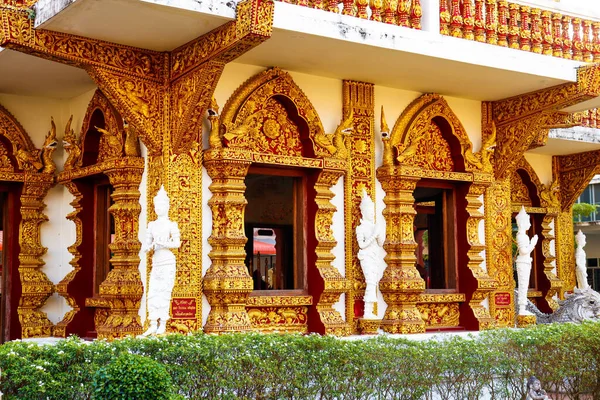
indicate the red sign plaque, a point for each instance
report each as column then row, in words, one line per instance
column 184, row 308
column 502, row 299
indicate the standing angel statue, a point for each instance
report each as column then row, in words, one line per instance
column 162, row 235
column 524, row 259
column 581, row 262
column 370, row 239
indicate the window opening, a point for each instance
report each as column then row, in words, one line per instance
column 274, row 226
column 435, row 234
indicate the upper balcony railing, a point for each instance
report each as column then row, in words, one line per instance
column 591, row 118
column 517, row 26
column 405, row 13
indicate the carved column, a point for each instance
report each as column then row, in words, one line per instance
column 549, row 237
column 565, row 250
column 401, row 283
column 227, row 283
column 485, row 284
column 35, row 285
column 498, row 238
column 358, row 98
column 62, row 288
column 122, row 287
column 333, row 283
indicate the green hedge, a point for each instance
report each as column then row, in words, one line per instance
column 254, row 366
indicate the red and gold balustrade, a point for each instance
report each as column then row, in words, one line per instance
column 522, row 27
column 591, row 118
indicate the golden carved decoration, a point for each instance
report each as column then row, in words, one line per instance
column 401, row 283
column 227, row 283
column 334, row 283
column 485, row 282
column 5, row 163
column 549, row 253
column 498, row 239
column 256, row 92
column 35, row 285
column 185, row 190
column 565, row 252
column 48, row 148
column 141, row 82
column 121, row 291
column 62, row 288
column 439, row 315
column 550, row 99
column 520, row 192
column 358, row 99
column 21, row 163
column 574, row 173
column 279, row 319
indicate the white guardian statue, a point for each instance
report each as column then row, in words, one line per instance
column 525, row 246
column 370, row 239
column 162, row 235
column 581, row 262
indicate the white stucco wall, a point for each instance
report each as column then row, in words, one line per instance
column 542, row 165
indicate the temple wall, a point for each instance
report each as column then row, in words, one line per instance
column 542, row 165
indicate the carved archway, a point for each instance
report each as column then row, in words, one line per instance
column 266, row 111
column 542, row 203
column 428, row 143
column 29, row 173
column 104, row 163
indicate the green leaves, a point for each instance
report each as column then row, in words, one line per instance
column 565, row 357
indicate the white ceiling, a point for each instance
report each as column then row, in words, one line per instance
column 562, row 147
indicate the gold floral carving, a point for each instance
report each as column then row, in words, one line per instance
column 142, row 83
column 418, row 121
column 5, row 163
column 62, row 288
column 565, row 248
column 439, row 315
column 574, row 173
column 498, row 238
column 520, row 192
column 122, row 287
column 185, row 190
column 549, row 224
column 20, row 35
column 401, row 283
column 279, row 319
column 333, row 282
column 256, row 93
column 485, row 283
column 121, row 291
column 358, row 98
column 21, row 163
column 227, row 283
column 35, row 285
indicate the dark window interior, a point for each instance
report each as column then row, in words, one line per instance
column 435, row 234
column 274, row 226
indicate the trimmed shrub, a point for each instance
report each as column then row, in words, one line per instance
column 565, row 357
column 132, row 377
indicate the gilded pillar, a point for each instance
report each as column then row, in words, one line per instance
column 549, row 236
column 227, row 282
column 359, row 99
column 122, row 287
column 498, row 238
column 333, row 283
column 485, row 284
column 565, row 249
column 401, row 283
column 35, row 285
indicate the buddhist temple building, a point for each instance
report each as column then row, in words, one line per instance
column 266, row 121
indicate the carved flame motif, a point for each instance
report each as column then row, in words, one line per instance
column 267, row 130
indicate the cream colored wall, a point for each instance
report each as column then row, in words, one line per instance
column 542, row 165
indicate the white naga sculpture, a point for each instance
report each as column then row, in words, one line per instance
column 581, row 262
column 162, row 236
column 370, row 239
column 524, row 260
